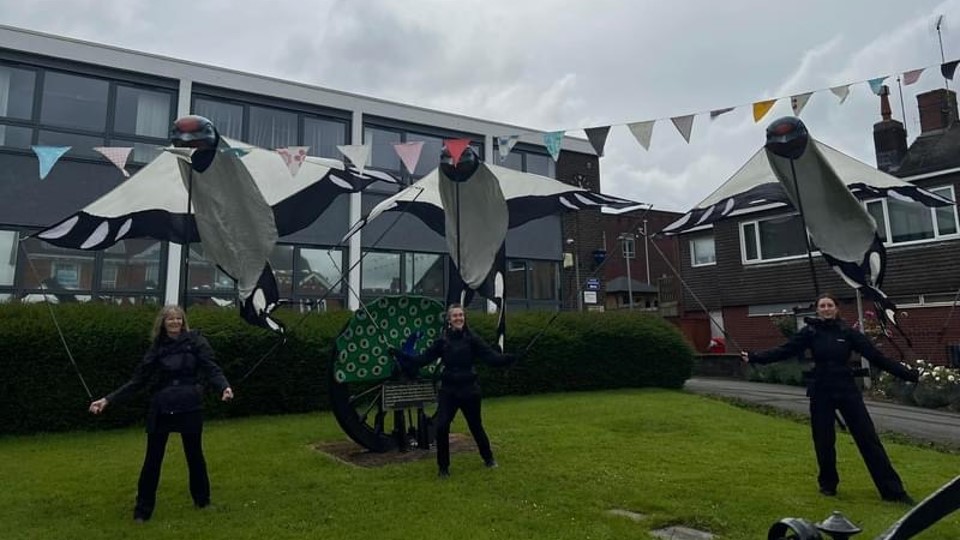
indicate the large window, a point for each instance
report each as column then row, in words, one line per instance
column 532, row 280
column 901, row 222
column 82, row 111
column 526, row 159
column 274, row 126
column 702, row 251
column 383, row 156
column 402, row 273
column 772, row 239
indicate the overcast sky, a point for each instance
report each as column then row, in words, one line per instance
column 555, row 65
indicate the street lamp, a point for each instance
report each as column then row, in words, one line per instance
column 623, row 249
column 576, row 272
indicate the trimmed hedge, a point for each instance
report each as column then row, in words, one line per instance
column 40, row 390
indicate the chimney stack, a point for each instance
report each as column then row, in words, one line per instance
column 938, row 109
column 889, row 136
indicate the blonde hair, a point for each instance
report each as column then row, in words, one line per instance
column 159, row 330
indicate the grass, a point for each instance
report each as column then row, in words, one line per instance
column 564, row 461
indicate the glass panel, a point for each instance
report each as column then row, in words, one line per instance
column 15, row 136
column 381, row 274
column 131, row 265
column 142, row 152
column 629, row 248
column 423, row 274
column 16, row 92
column 57, row 269
column 273, row 128
column 750, row 241
column 946, row 215
column 515, row 284
column 429, row 155
column 205, row 276
column 875, row 209
column 542, row 165
column 318, row 270
column 782, row 237
column 142, row 112
column 382, row 154
column 543, row 280
column 81, row 145
column 281, row 259
column 704, row 250
column 323, row 136
column 130, row 300
column 226, row 117
column 909, row 221
column 8, row 257
column 514, row 160
column 72, row 101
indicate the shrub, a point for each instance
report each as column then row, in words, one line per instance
column 40, row 390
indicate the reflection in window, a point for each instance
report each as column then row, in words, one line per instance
column 514, row 160
column 55, row 270
column 541, row 164
column 281, row 260
column 8, row 257
column 205, row 276
column 142, row 112
column 16, row 92
column 142, row 152
column 703, row 251
column 423, row 274
column 381, row 273
column 774, row 238
column 80, row 145
column 543, row 280
column 16, row 136
column 318, row 270
column 73, row 101
column 910, row 221
column 429, row 154
column 382, row 154
column 226, row 117
column 131, row 265
column 323, row 136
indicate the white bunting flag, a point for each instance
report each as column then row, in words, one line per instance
column 684, row 125
column 356, row 153
column 505, row 145
column 841, row 92
column 117, row 155
column 643, row 132
column 799, row 101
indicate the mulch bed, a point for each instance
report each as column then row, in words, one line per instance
column 352, row 453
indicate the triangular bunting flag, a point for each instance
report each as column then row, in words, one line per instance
column 456, row 148
column 841, row 92
column 876, row 84
column 948, row 69
column 642, row 132
column 553, row 141
column 761, row 108
column 799, row 101
column 717, row 112
column 239, row 152
column 910, row 77
column 598, row 138
column 684, row 125
column 293, row 156
column 505, row 145
column 409, row 154
column 356, row 153
column 117, row 155
column 48, row 156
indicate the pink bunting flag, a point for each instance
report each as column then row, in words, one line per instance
column 910, row 77
column 294, row 157
column 409, row 154
column 117, row 155
column 456, row 148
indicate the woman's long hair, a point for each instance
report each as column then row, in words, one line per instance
column 159, row 330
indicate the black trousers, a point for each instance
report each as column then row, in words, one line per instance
column 448, row 404
column 850, row 405
column 150, row 473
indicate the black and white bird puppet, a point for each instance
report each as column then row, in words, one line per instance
column 473, row 204
column 234, row 198
column 838, row 224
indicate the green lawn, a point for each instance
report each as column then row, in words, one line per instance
column 564, row 461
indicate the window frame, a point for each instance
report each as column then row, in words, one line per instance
column 693, row 251
column 937, row 236
column 760, row 260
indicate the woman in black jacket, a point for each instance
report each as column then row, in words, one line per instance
column 172, row 367
column 458, row 349
column 833, row 388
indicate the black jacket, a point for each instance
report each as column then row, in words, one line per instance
column 458, row 351
column 172, row 369
column 831, row 342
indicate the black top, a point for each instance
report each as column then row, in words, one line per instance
column 458, row 351
column 831, row 342
column 172, row 368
